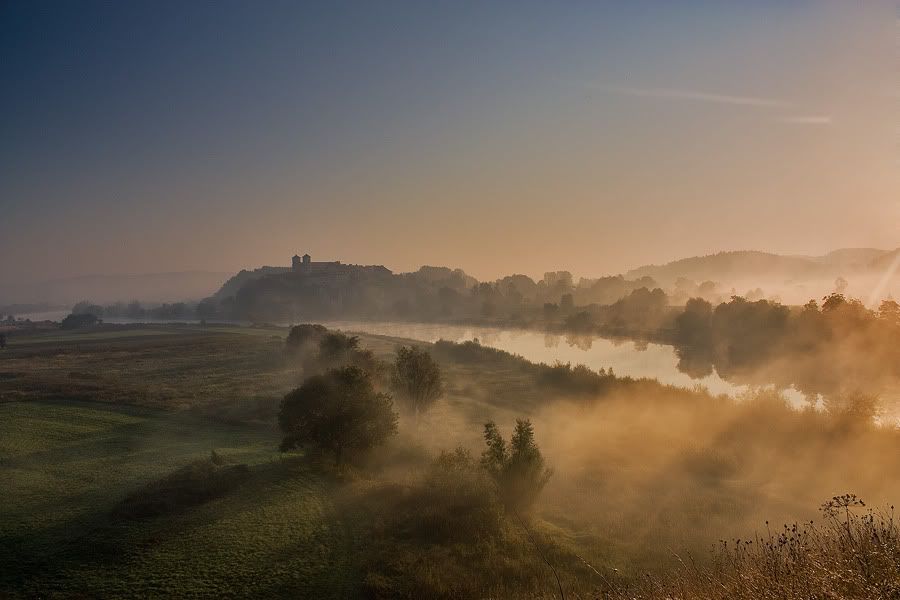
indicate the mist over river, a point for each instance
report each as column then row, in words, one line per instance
column 625, row 357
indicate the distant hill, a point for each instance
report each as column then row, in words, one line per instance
column 866, row 273
column 234, row 283
column 886, row 261
column 851, row 257
column 727, row 266
column 744, row 265
column 146, row 287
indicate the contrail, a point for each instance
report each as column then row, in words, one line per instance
column 700, row 96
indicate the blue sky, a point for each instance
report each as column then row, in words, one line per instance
column 498, row 137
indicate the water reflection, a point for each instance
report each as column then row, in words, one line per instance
column 624, row 357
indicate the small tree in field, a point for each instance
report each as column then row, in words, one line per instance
column 518, row 468
column 416, row 379
column 304, row 338
column 338, row 412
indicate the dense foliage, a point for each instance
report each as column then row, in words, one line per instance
column 416, row 379
column 338, row 412
column 517, row 468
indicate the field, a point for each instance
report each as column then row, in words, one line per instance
column 90, row 421
column 88, row 418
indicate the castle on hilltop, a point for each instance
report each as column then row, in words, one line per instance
column 304, row 265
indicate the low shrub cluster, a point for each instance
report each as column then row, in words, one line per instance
column 852, row 552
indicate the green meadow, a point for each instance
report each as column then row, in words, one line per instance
column 141, row 461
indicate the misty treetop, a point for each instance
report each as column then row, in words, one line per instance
column 840, row 347
column 416, row 379
column 517, row 467
column 339, row 412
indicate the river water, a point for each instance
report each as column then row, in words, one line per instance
column 624, row 357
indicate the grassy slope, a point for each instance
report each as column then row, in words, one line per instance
column 65, row 464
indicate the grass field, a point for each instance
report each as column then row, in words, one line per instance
column 65, row 466
column 86, row 419
column 89, row 420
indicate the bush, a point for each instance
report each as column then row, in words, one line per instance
column 77, row 321
column 338, row 350
column 416, row 379
column 518, row 469
column 336, row 413
column 576, row 381
column 304, row 338
column 446, row 535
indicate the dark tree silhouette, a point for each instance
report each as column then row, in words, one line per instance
column 338, row 412
column 304, row 337
column 518, row 468
column 74, row 321
column 416, row 379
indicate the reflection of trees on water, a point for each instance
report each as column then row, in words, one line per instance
column 551, row 340
column 581, row 341
column 843, row 352
column 695, row 362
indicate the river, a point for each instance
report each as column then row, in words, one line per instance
column 624, row 357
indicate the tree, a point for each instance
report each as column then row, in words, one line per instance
column 693, row 327
column 550, row 310
column 339, row 350
column 206, row 308
column 86, row 307
column 74, row 321
column 303, row 338
column 889, row 311
column 337, row 412
column 518, row 468
column 2, row 341
column 416, row 379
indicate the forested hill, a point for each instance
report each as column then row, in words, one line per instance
column 765, row 266
column 234, row 283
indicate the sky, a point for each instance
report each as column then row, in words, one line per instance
column 498, row 137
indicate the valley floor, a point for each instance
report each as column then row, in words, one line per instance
column 91, row 419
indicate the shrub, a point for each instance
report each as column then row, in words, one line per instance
column 77, row 321
column 304, row 338
column 416, row 379
column 518, row 469
column 577, row 381
column 336, row 413
column 338, row 350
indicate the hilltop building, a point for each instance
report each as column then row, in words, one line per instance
column 304, row 264
column 334, row 271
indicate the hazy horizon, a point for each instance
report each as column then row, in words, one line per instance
column 285, row 262
column 595, row 139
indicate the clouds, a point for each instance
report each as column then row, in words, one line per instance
column 692, row 95
column 807, row 119
column 714, row 97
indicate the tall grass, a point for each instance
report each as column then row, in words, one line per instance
column 846, row 554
